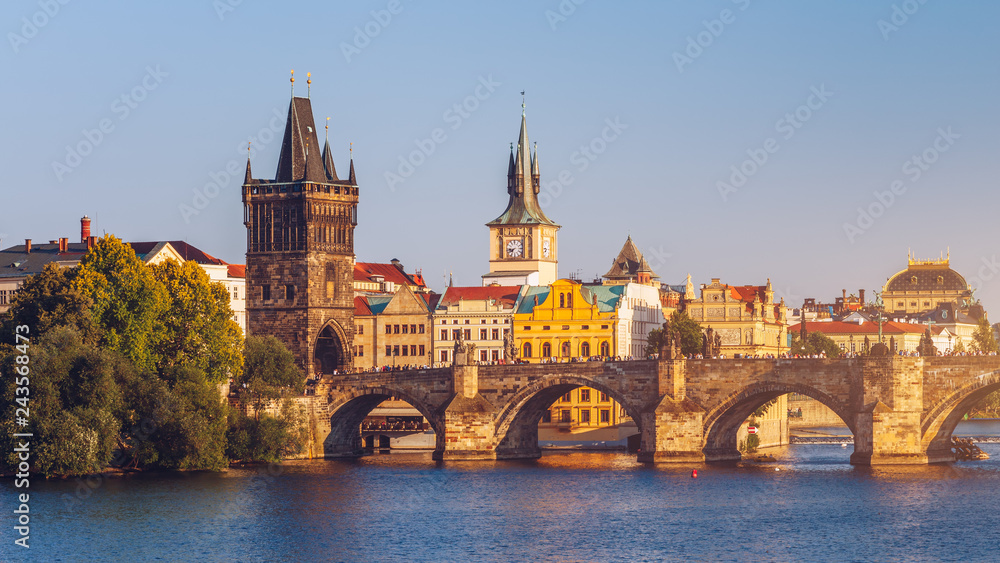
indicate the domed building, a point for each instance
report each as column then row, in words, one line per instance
column 923, row 286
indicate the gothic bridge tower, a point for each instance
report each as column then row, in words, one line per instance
column 300, row 249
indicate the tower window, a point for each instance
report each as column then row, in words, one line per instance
column 289, row 292
column 265, row 292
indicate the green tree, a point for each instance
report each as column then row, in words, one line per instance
column 983, row 340
column 126, row 298
column 269, row 373
column 691, row 336
column 960, row 347
column 653, row 341
column 197, row 327
column 264, row 439
column 815, row 343
column 47, row 300
column 73, row 404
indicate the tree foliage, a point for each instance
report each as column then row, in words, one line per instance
column 126, row 300
column 816, row 343
column 691, row 335
column 47, row 300
column 983, row 340
column 264, row 439
column 269, row 373
column 198, row 329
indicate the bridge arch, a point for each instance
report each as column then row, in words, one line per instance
column 722, row 423
column 516, row 424
column 940, row 422
column 346, row 411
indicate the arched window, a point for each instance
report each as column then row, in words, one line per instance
column 585, row 349
column 569, row 301
column 527, row 350
column 562, row 300
column 546, row 350
column 566, row 349
column 605, row 349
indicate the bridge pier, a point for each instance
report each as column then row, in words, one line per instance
column 888, row 430
column 467, row 417
column 673, row 429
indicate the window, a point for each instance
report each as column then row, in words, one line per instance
column 567, row 398
column 565, row 327
column 265, row 292
column 496, row 334
column 505, row 332
column 406, row 329
column 546, row 350
column 586, row 327
column 289, row 292
column 413, row 329
column 444, row 334
column 494, row 321
column 585, row 349
column 483, row 321
column 395, row 329
column 527, row 328
column 454, row 333
column 605, row 416
column 422, row 351
column 388, row 329
column 361, row 351
column 388, row 351
column 495, row 355
column 468, row 334
column 899, row 303
column 584, row 395
column 482, row 334
column 566, row 349
column 562, row 300
column 482, row 355
column 444, row 355
column 546, row 328
column 604, row 327
column 604, row 397
column 466, row 321
column 413, row 349
column 547, row 416
column 585, row 416
column 605, row 349
column 527, row 350
column 395, row 350
column 359, row 329
column 564, row 416
column 421, row 328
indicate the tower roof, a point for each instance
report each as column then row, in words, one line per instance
column 300, row 154
column 331, row 170
column 523, row 207
column 629, row 264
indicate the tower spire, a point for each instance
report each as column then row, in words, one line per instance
column 309, row 83
column 292, row 80
column 248, row 177
column 351, row 179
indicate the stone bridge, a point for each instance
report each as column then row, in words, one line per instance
column 901, row 410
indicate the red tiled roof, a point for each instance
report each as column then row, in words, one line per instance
column 840, row 327
column 237, row 270
column 361, row 307
column 505, row 294
column 364, row 271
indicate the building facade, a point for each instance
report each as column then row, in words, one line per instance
column 392, row 330
column 480, row 315
column 745, row 317
column 923, row 286
column 300, row 249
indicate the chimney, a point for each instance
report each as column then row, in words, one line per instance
column 27, row 246
column 63, row 244
column 861, row 297
column 844, row 291
column 84, row 228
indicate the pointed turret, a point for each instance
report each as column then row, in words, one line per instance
column 352, row 179
column 630, row 265
column 535, row 181
column 299, row 145
column 523, row 186
column 331, row 170
column 248, row 178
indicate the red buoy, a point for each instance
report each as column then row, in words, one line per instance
column 694, row 473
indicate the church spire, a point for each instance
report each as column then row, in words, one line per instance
column 352, row 180
column 248, row 178
column 523, row 185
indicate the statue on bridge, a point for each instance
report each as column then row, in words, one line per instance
column 509, row 350
column 670, row 342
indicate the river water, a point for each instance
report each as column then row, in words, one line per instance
column 811, row 505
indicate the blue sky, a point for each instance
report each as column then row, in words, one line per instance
column 831, row 103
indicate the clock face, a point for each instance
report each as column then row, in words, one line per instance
column 514, row 249
column 546, row 248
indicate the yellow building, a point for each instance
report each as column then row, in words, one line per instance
column 923, row 286
column 745, row 317
column 566, row 320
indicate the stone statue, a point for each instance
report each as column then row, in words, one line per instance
column 460, row 343
column 670, row 342
column 717, row 344
column 509, row 350
column 707, row 343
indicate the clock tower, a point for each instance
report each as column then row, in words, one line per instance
column 523, row 248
